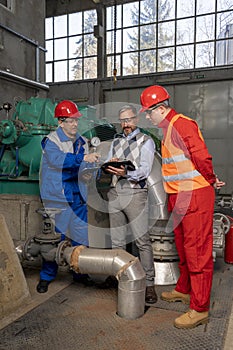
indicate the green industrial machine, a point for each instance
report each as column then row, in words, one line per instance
column 21, row 136
column 20, row 145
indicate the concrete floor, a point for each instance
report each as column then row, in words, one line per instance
column 73, row 316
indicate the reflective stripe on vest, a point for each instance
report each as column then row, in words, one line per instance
column 179, row 173
column 184, row 176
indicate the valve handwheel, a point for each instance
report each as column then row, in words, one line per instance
column 223, row 220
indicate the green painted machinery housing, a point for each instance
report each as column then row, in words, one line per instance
column 21, row 136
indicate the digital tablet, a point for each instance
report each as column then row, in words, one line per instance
column 127, row 163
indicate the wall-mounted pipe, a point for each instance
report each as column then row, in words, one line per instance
column 21, row 36
column 32, row 42
column 22, row 80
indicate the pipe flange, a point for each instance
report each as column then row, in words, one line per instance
column 26, row 248
column 48, row 238
column 59, row 258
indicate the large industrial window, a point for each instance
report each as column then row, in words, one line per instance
column 71, row 47
column 142, row 37
column 150, row 36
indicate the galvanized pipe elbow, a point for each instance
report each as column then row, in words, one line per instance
column 115, row 262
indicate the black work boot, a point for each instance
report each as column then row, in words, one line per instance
column 151, row 296
column 42, row 286
column 83, row 279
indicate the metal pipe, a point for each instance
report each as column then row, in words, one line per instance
column 156, row 193
column 115, row 262
column 35, row 43
column 37, row 64
column 32, row 42
column 22, row 80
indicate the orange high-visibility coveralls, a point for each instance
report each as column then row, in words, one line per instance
column 188, row 176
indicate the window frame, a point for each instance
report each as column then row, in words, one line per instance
column 175, row 46
column 200, row 49
column 67, row 59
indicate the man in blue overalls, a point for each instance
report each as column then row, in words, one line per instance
column 63, row 153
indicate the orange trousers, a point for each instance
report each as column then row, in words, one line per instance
column 193, row 228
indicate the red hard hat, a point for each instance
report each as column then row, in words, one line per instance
column 67, row 109
column 153, row 95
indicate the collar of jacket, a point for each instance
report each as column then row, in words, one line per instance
column 64, row 138
column 165, row 122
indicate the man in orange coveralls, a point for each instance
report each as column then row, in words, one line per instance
column 190, row 183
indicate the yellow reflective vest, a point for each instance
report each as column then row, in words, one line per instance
column 179, row 172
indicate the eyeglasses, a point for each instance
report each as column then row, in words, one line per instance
column 127, row 120
column 149, row 111
column 71, row 121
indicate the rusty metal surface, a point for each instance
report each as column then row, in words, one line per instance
column 82, row 317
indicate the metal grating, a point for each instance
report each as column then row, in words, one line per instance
column 82, row 317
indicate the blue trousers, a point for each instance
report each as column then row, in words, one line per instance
column 72, row 224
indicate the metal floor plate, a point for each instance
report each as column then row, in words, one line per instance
column 85, row 318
